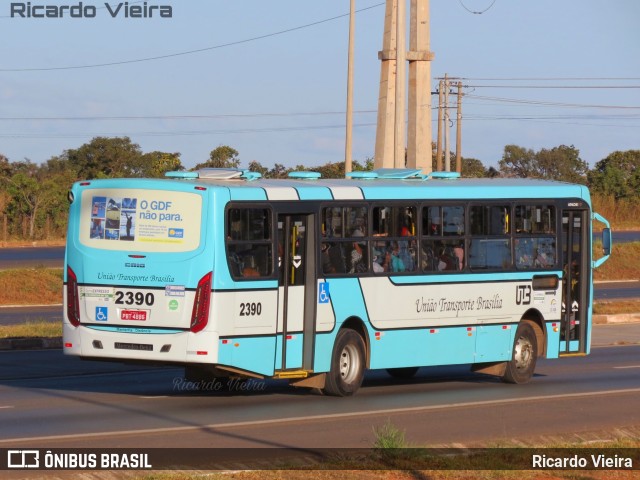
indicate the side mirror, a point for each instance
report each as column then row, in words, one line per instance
column 606, row 241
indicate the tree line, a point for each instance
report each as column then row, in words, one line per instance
column 34, row 206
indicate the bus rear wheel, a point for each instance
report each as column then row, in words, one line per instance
column 347, row 365
column 525, row 355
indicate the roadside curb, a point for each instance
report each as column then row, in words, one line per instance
column 618, row 319
column 31, row 343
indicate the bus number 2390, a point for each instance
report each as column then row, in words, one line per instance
column 250, row 309
column 130, row 298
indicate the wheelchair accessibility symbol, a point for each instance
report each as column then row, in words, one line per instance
column 102, row 313
column 323, row 292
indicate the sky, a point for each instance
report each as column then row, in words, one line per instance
column 268, row 77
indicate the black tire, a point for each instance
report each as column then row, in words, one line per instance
column 525, row 355
column 406, row 372
column 347, row 365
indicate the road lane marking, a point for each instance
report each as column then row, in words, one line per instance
column 6, row 406
column 629, row 366
column 249, row 423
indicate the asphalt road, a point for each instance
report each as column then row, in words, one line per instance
column 50, row 257
column 18, row 315
column 617, row 290
column 49, row 400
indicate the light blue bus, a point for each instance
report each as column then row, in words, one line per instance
column 316, row 280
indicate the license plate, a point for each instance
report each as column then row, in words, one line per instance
column 139, row 315
column 133, row 346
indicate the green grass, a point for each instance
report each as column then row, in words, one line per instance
column 623, row 264
column 616, row 308
column 389, row 436
column 38, row 329
column 31, row 286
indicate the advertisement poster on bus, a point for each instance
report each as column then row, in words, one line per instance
column 153, row 220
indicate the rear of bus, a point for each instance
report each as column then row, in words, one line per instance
column 138, row 272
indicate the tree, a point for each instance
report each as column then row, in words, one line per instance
column 617, row 175
column 58, row 165
column 473, row 168
column 56, row 176
column 518, row 162
column 332, row 170
column 156, row 164
column 278, row 171
column 5, row 173
column 562, row 163
column 492, row 173
column 221, row 157
column 26, row 198
column 107, row 157
column 5, row 166
column 559, row 163
column 366, row 167
column 256, row 166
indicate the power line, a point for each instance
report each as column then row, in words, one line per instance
column 592, row 116
column 554, row 119
column 547, row 79
column 188, row 52
column 176, row 134
column 476, row 12
column 558, row 86
column 559, row 122
column 551, row 104
column 181, row 117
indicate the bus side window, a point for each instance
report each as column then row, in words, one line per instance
column 333, row 259
column 249, row 244
column 490, row 254
column 235, row 264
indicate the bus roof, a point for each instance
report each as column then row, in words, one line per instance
column 388, row 189
column 312, row 188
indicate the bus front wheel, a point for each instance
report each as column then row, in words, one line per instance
column 347, row 365
column 525, row 355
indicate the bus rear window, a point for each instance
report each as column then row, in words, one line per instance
column 140, row 220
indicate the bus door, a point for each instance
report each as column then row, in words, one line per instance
column 296, row 292
column 575, row 265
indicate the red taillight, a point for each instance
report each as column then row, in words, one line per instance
column 200, row 313
column 73, row 302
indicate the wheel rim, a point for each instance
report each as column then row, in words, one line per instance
column 523, row 353
column 349, row 363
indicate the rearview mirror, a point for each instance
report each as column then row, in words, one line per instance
column 606, row 241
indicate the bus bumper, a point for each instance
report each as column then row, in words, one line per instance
column 169, row 348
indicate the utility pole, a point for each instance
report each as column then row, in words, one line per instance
column 419, row 134
column 401, row 78
column 439, row 142
column 391, row 132
column 348, row 163
column 447, row 148
column 383, row 156
column 459, row 130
